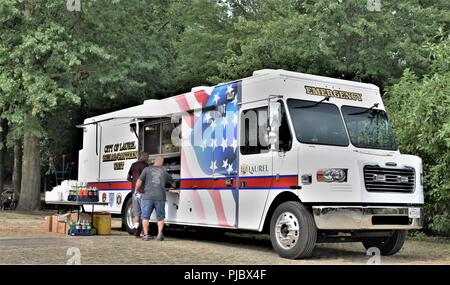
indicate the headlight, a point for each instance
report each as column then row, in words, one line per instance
column 332, row 175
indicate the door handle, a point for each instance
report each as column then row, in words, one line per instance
column 295, row 187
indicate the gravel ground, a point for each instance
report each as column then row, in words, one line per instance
column 23, row 241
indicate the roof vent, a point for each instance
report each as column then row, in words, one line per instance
column 266, row 71
column 149, row 101
column 199, row 88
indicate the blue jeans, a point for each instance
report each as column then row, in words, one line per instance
column 148, row 206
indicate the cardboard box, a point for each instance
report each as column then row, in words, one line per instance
column 47, row 225
column 62, row 228
column 64, row 218
column 83, row 216
column 54, row 223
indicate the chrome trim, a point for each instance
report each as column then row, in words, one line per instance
column 360, row 218
column 393, row 185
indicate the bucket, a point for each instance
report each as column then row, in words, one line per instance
column 102, row 222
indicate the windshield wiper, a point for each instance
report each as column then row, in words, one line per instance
column 366, row 110
column 327, row 98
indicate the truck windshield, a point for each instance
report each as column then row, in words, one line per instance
column 369, row 128
column 317, row 123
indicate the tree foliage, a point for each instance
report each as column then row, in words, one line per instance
column 420, row 111
column 335, row 38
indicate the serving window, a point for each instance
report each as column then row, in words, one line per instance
column 158, row 138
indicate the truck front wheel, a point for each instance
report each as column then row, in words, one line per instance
column 388, row 245
column 293, row 232
column 127, row 217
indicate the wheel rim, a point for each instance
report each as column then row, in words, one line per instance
column 287, row 230
column 130, row 220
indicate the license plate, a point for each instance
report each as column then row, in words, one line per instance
column 414, row 213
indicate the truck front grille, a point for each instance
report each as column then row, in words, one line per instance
column 378, row 179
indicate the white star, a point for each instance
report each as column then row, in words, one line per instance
column 203, row 145
column 213, row 166
column 230, row 168
column 225, row 163
column 234, row 144
column 224, row 144
column 235, row 119
column 234, row 101
column 213, row 143
column 213, row 124
column 207, row 117
column 216, row 98
column 224, row 121
column 230, row 89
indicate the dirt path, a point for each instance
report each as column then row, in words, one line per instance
column 22, row 241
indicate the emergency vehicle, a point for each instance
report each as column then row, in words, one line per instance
column 305, row 158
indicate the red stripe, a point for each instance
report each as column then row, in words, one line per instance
column 222, row 183
column 202, row 97
column 110, row 185
column 182, row 102
column 257, row 182
column 218, row 206
column 197, row 183
column 189, row 119
column 285, row 181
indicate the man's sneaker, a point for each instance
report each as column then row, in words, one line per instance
column 160, row 237
column 146, row 238
column 137, row 232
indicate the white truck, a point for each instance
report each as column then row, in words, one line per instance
column 305, row 158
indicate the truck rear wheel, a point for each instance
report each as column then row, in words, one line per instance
column 127, row 217
column 388, row 245
column 293, row 232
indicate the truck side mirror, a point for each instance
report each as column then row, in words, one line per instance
column 274, row 122
column 271, row 138
column 274, row 115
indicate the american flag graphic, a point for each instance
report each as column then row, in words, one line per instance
column 209, row 150
column 216, row 148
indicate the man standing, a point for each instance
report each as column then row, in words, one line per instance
column 155, row 178
column 133, row 175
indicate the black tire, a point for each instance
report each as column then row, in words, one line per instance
column 125, row 216
column 390, row 245
column 306, row 235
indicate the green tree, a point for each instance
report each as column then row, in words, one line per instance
column 419, row 110
column 38, row 57
column 333, row 38
column 199, row 31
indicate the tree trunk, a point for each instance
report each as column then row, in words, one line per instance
column 30, row 188
column 3, row 133
column 17, row 168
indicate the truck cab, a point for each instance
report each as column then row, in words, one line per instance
column 334, row 140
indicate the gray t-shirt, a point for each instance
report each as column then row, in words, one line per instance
column 155, row 179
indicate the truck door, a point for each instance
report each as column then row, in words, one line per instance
column 209, row 167
column 285, row 163
column 255, row 165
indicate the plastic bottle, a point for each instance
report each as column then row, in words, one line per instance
column 96, row 195
column 78, row 188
